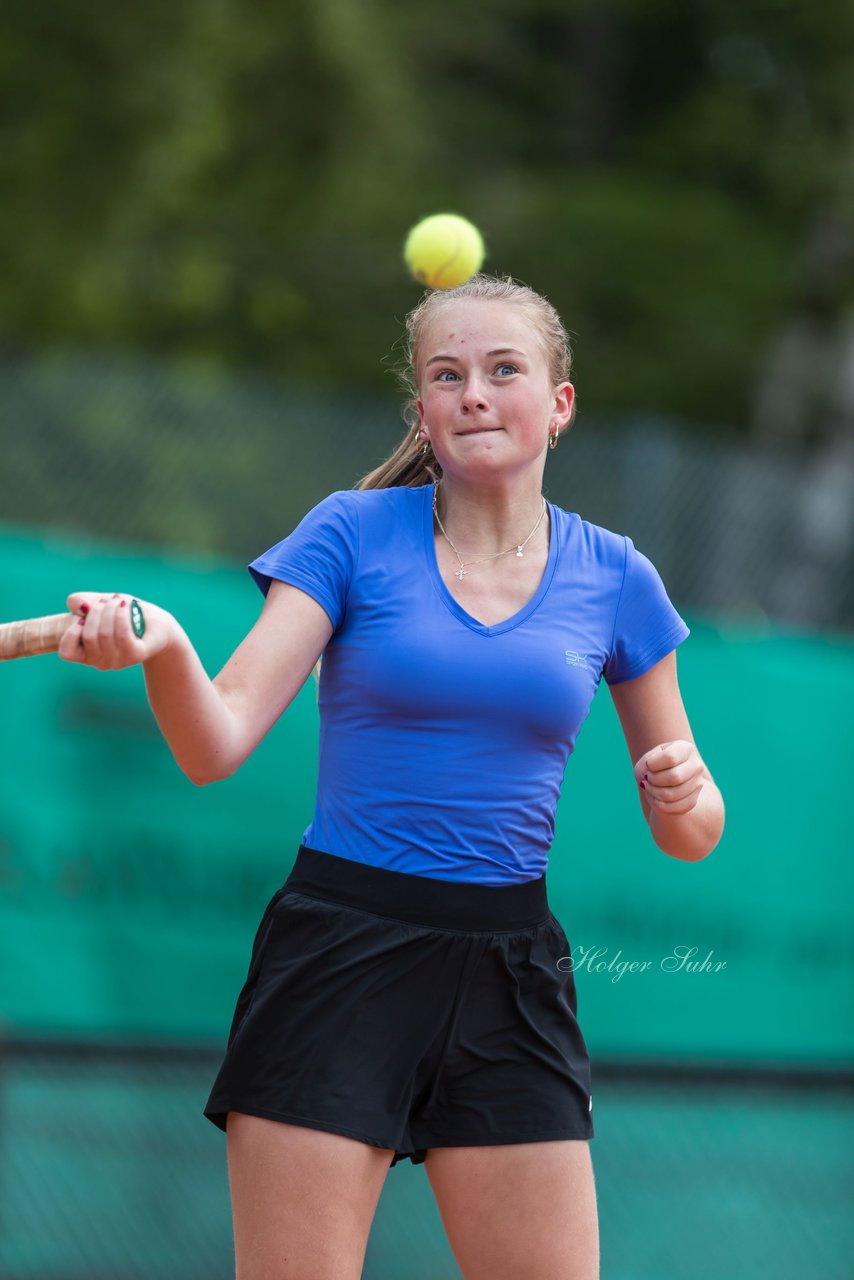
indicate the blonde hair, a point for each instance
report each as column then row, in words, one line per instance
column 408, row 465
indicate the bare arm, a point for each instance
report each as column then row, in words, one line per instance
column 678, row 796
column 211, row 726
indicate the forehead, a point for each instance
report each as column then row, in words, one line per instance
column 473, row 325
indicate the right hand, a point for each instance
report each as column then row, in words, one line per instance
column 102, row 636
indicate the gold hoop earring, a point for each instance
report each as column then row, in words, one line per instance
column 423, row 445
column 553, row 438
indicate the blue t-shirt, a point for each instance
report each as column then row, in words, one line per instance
column 443, row 742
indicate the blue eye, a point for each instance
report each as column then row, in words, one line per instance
column 441, row 376
column 512, row 368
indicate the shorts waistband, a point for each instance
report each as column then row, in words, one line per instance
column 420, row 900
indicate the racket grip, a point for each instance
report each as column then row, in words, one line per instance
column 32, row 636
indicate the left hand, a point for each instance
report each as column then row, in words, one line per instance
column 671, row 777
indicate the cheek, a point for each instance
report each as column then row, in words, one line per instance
column 533, row 413
column 434, row 403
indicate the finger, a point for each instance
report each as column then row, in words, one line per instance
column 673, row 808
column 78, row 599
column 668, row 755
column 649, row 759
column 79, row 603
column 109, row 643
column 71, row 643
column 688, row 771
column 656, row 758
column 94, row 636
column 655, row 792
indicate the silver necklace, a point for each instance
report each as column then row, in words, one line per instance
column 518, row 547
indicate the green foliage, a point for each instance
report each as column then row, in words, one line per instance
column 232, row 180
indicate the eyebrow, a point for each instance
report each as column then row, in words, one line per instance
column 499, row 351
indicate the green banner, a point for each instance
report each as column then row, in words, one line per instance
column 129, row 898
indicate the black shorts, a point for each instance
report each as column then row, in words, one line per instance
column 408, row 1013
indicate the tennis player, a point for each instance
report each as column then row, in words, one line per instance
column 404, row 997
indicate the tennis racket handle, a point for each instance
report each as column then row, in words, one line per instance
column 31, row 636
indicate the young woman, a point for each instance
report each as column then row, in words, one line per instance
column 404, row 997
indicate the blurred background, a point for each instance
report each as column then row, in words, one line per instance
column 201, row 308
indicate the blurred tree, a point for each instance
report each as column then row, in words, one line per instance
column 230, row 180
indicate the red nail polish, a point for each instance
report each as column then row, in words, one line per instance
column 84, row 608
column 80, row 622
column 123, row 603
column 115, row 595
column 642, row 787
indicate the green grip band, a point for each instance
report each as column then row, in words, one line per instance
column 137, row 619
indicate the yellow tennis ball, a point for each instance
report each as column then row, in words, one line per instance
column 444, row 250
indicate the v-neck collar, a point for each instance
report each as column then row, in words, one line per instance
column 453, row 604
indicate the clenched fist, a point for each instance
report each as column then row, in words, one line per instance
column 671, row 776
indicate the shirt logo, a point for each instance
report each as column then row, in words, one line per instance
column 574, row 659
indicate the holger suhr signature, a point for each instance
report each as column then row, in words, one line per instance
column 680, row 960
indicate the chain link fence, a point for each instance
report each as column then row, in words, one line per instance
column 182, row 455
column 109, row 1171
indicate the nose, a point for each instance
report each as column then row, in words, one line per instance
column 474, row 399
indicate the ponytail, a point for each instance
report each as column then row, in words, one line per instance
column 409, row 465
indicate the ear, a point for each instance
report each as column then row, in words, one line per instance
column 419, row 405
column 564, row 404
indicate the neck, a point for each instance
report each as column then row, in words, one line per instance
column 486, row 521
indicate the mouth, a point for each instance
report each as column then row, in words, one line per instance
column 478, row 431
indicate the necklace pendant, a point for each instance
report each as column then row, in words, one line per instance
column 460, row 573
column 518, row 552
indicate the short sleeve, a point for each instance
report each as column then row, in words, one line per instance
column 318, row 557
column 646, row 625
